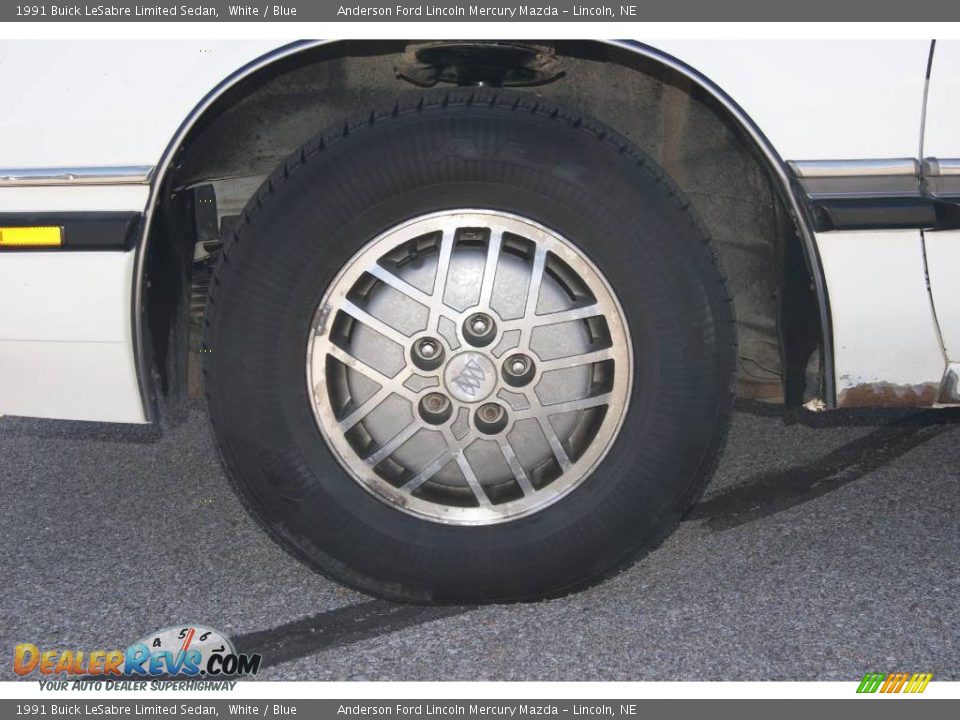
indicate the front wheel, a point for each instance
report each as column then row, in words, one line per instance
column 473, row 348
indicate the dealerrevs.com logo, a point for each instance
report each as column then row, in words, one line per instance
column 187, row 651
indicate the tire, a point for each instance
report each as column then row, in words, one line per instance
column 523, row 160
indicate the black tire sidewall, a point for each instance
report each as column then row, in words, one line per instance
column 617, row 210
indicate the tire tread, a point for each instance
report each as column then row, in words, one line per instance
column 506, row 102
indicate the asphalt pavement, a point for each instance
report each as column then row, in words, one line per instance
column 825, row 547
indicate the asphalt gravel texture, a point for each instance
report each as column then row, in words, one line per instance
column 826, row 546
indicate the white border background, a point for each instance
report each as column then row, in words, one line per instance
column 229, row 30
column 484, row 690
column 433, row 30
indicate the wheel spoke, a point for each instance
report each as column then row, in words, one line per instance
column 392, row 444
column 366, row 407
column 490, row 268
column 572, row 361
column 515, row 467
column 564, row 407
column 427, row 472
column 554, row 318
column 400, row 285
column 559, row 452
column 443, row 268
column 368, row 371
column 471, row 479
column 536, row 278
column 582, row 404
column 362, row 316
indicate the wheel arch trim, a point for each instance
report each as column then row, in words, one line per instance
column 775, row 165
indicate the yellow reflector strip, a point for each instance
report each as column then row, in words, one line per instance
column 51, row 236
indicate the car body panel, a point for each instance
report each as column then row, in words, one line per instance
column 77, row 198
column 66, row 336
column 120, row 102
column 821, row 99
column 943, row 266
column 941, row 139
column 940, row 136
column 107, row 103
column 886, row 348
column 123, row 103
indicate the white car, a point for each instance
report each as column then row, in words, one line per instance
column 470, row 316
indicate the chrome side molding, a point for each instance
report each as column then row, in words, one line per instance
column 108, row 175
column 881, row 194
column 941, row 177
column 885, row 167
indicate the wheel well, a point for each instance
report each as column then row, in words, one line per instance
column 242, row 136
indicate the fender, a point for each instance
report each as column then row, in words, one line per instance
column 775, row 164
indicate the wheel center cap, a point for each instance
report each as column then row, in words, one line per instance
column 470, row 376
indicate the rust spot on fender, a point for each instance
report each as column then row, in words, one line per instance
column 888, row 395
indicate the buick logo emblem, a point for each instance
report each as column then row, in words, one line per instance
column 470, row 376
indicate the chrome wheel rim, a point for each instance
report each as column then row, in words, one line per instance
column 469, row 367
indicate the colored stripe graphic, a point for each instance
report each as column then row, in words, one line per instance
column 894, row 682
column 918, row 683
column 870, row 683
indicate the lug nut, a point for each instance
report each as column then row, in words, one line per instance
column 427, row 353
column 479, row 329
column 435, row 408
column 518, row 370
column 490, row 418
